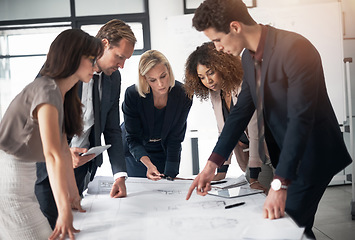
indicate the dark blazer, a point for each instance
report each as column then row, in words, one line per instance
column 301, row 129
column 139, row 123
column 110, row 124
column 110, row 127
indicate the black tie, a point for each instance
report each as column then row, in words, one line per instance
column 97, row 110
column 259, row 111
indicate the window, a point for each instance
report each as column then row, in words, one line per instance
column 34, row 9
column 191, row 5
column 91, row 8
column 22, row 54
column 25, row 35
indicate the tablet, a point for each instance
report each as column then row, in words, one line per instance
column 96, row 150
column 235, row 192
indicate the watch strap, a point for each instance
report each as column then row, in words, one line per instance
column 284, row 181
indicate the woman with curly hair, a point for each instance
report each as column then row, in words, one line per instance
column 217, row 75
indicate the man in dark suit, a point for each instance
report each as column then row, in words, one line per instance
column 302, row 133
column 100, row 98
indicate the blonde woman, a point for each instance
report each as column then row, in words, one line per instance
column 155, row 114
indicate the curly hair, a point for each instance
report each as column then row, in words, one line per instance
column 227, row 66
column 219, row 14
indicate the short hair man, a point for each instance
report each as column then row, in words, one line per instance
column 101, row 115
column 302, row 133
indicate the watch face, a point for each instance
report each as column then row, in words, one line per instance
column 276, row 184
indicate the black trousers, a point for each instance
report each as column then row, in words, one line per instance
column 45, row 196
column 302, row 202
column 138, row 169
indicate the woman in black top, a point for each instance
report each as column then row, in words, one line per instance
column 155, row 114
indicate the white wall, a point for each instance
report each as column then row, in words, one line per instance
column 159, row 11
column 348, row 7
column 279, row 3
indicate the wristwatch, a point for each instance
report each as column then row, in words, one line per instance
column 276, row 185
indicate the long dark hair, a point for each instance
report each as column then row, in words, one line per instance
column 63, row 60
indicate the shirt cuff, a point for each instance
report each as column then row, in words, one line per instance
column 254, row 172
column 223, row 169
column 120, row 174
column 217, row 159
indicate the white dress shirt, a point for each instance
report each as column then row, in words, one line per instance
column 88, row 118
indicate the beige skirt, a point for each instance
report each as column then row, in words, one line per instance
column 20, row 214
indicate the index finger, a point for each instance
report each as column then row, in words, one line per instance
column 63, row 235
column 71, row 235
column 55, row 234
column 155, row 178
column 156, row 175
column 118, row 194
column 79, row 208
column 191, row 189
column 265, row 213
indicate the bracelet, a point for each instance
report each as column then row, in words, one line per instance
column 253, row 183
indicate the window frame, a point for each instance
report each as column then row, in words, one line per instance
column 76, row 22
column 249, row 4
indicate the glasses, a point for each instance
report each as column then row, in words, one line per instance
column 92, row 60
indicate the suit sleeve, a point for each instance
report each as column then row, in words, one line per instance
column 133, row 124
column 112, row 131
column 176, row 136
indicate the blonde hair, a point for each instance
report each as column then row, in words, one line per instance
column 149, row 60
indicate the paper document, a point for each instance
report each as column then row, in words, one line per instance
column 96, row 150
column 230, row 183
column 235, row 192
column 272, row 230
column 152, row 207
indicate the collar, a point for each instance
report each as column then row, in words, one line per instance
column 258, row 55
column 98, row 73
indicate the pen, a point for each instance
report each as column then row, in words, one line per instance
column 220, row 182
column 234, row 205
column 167, row 178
